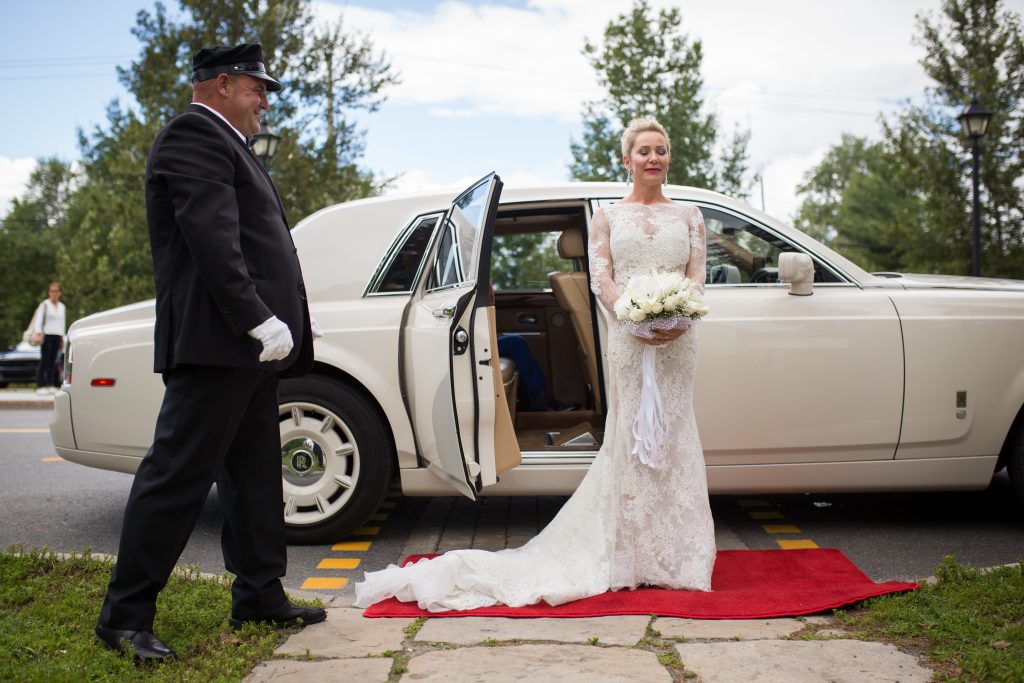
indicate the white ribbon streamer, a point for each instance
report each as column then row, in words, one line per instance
column 649, row 428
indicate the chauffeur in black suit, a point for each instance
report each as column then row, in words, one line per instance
column 231, row 315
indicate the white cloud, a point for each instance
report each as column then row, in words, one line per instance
column 498, row 59
column 797, row 73
column 14, row 175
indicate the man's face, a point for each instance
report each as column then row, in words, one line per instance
column 246, row 98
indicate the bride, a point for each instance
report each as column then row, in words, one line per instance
column 627, row 524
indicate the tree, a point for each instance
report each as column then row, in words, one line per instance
column 649, row 68
column 904, row 202
column 30, row 236
column 524, row 261
column 103, row 258
column 342, row 73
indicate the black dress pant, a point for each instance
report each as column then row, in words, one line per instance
column 215, row 425
column 46, row 373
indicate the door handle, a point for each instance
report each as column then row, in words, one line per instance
column 526, row 318
column 444, row 312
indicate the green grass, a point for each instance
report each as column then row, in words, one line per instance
column 970, row 623
column 49, row 606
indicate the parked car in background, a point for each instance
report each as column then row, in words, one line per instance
column 19, row 363
column 860, row 382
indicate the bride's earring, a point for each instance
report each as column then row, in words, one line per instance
column 629, row 177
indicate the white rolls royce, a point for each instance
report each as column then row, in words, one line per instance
column 814, row 375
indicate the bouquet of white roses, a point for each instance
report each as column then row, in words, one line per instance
column 658, row 301
column 655, row 301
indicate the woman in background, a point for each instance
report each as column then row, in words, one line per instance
column 48, row 332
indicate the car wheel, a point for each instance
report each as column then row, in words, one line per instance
column 336, row 458
column 1015, row 463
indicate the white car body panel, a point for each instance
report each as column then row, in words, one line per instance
column 791, row 395
column 776, row 351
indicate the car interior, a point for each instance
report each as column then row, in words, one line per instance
column 538, row 273
column 541, row 293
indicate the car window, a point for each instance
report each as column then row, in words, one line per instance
column 447, row 268
column 741, row 252
column 460, row 240
column 400, row 273
column 523, row 261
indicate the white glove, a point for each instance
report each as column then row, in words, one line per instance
column 314, row 328
column 275, row 337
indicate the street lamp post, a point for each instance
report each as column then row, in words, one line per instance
column 974, row 121
column 264, row 144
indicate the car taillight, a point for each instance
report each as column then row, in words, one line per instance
column 104, row 382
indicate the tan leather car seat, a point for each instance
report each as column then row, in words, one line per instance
column 573, row 295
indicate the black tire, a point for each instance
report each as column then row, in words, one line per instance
column 1015, row 462
column 337, row 458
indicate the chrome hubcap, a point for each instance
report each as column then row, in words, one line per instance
column 320, row 463
column 302, row 460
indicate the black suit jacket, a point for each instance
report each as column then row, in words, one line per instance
column 223, row 257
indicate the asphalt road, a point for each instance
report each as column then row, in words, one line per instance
column 45, row 501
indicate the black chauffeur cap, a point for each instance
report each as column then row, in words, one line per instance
column 246, row 58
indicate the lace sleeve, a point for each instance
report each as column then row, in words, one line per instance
column 696, row 267
column 602, row 280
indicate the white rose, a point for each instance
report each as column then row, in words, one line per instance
column 637, row 315
column 656, row 308
column 672, row 302
column 622, row 308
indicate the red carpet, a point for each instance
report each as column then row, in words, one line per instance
column 747, row 584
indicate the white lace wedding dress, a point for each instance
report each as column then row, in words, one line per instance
column 627, row 524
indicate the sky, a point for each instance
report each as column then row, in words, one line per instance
column 500, row 84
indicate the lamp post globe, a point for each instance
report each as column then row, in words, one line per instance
column 264, row 143
column 974, row 121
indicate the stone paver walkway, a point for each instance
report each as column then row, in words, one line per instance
column 350, row 647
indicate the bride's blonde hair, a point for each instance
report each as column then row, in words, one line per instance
column 639, row 125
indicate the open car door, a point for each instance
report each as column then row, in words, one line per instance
column 449, row 354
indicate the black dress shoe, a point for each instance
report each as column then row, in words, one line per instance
column 146, row 646
column 285, row 615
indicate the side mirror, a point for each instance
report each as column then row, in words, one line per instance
column 798, row 270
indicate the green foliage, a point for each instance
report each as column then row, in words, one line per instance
column 970, row 621
column 524, row 261
column 102, row 255
column 903, row 202
column 49, row 606
column 30, row 238
column 650, row 68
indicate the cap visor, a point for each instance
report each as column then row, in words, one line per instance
column 272, row 84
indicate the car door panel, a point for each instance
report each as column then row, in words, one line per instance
column 784, row 378
column 448, row 353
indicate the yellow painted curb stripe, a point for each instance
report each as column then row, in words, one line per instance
column 319, row 582
column 780, row 528
column 366, row 531
column 53, row 459
column 388, row 504
column 351, row 545
column 379, row 517
column 796, row 544
column 754, row 503
column 18, row 430
column 766, row 515
column 339, row 563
